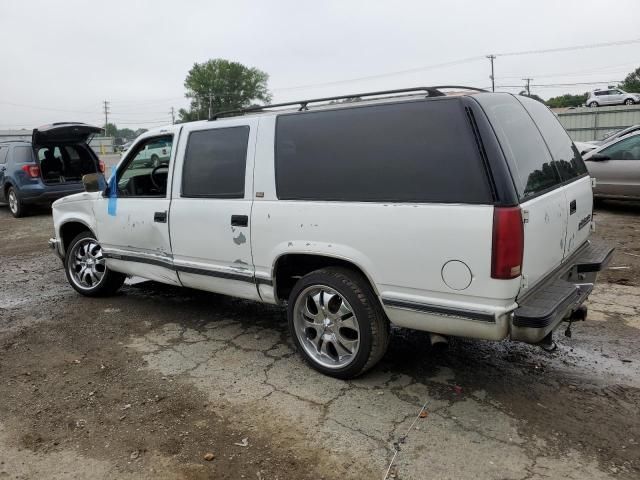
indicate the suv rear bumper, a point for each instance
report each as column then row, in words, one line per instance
column 541, row 311
column 42, row 194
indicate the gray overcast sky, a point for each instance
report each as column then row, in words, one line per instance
column 61, row 59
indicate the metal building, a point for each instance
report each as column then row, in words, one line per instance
column 584, row 124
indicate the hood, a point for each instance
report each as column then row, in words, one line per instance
column 63, row 132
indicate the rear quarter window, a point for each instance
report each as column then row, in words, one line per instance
column 530, row 162
column 420, row 151
column 566, row 157
column 22, row 155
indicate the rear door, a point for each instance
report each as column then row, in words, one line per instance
column 572, row 172
column 537, row 182
column 211, row 208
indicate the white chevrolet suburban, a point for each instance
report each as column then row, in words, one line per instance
column 460, row 215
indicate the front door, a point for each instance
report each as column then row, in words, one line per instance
column 211, row 209
column 133, row 217
column 617, row 168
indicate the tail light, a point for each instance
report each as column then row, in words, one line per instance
column 32, row 170
column 508, row 243
column 101, row 166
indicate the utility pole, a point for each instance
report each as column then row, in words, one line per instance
column 492, row 77
column 528, row 80
column 106, row 114
column 210, row 100
column 173, row 116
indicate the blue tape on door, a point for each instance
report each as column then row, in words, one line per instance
column 112, row 205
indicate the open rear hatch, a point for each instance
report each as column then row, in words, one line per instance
column 63, row 153
column 63, row 132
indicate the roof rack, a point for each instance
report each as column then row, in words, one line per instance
column 431, row 92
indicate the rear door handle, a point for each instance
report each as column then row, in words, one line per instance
column 160, row 217
column 572, row 207
column 239, row 220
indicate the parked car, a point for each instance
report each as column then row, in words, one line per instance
column 611, row 96
column 611, row 136
column 616, row 168
column 154, row 154
column 463, row 215
column 49, row 167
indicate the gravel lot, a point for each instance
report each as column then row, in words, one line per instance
column 144, row 384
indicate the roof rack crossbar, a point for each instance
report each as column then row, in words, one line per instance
column 303, row 104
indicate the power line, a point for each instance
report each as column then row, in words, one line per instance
column 382, row 75
column 461, row 61
column 569, row 49
column 43, row 108
column 574, row 84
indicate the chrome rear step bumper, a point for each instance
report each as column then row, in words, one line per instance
column 542, row 310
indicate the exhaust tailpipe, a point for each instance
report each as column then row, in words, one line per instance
column 438, row 342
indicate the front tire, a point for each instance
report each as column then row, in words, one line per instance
column 628, row 101
column 593, row 104
column 337, row 322
column 86, row 269
column 16, row 207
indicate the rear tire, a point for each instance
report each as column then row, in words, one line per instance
column 337, row 322
column 86, row 269
column 16, row 207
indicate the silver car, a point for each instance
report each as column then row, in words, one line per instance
column 616, row 168
column 611, row 96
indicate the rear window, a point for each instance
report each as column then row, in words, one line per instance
column 422, row 151
column 22, row 154
column 565, row 156
column 531, row 164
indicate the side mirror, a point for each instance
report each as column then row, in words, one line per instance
column 93, row 182
column 599, row 157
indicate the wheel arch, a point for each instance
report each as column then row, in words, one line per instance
column 289, row 266
column 70, row 230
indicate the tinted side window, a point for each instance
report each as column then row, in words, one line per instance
column 214, row 163
column 22, row 155
column 421, row 151
column 529, row 160
column 566, row 157
column 3, row 154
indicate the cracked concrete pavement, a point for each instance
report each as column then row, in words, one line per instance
column 169, row 374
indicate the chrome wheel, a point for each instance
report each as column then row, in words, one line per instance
column 13, row 202
column 86, row 264
column 326, row 326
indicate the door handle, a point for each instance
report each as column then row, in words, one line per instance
column 239, row 220
column 572, row 207
column 160, row 217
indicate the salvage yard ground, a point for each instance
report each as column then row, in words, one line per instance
column 144, row 384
